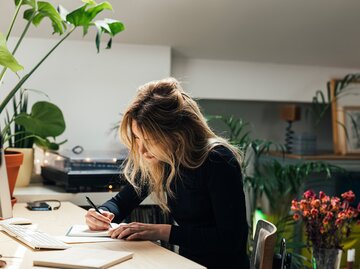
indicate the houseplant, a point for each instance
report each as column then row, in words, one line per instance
column 25, row 129
column 63, row 22
column 327, row 222
column 270, row 184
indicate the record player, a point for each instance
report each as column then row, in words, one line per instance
column 79, row 171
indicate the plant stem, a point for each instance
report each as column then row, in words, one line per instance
column 13, row 20
column 19, row 41
column 8, row 34
column 24, row 78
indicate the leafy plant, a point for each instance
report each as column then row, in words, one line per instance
column 321, row 104
column 277, row 182
column 63, row 23
column 39, row 127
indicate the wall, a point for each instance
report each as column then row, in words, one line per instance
column 232, row 80
column 265, row 122
column 91, row 89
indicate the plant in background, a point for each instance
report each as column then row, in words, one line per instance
column 321, row 104
column 40, row 127
column 277, row 182
column 327, row 219
column 63, row 23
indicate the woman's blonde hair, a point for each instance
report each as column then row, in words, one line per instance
column 172, row 123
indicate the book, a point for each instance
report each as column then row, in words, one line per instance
column 79, row 258
column 80, row 230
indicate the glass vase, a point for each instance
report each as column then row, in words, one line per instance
column 325, row 258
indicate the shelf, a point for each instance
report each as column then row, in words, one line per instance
column 322, row 157
column 348, row 162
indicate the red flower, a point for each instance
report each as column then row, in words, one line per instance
column 348, row 196
column 309, row 194
column 327, row 220
column 316, row 203
column 314, row 212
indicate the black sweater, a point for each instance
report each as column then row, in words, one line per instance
column 209, row 208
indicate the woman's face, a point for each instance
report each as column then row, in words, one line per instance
column 141, row 140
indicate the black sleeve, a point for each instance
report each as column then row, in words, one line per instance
column 224, row 184
column 124, row 202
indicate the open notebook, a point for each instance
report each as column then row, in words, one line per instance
column 78, row 258
column 83, row 230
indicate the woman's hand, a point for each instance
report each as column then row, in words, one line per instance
column 97, row 221
column 142, row 231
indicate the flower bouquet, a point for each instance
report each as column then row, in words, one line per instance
column 327, row 222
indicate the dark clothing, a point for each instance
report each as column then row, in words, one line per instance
column 209, row 208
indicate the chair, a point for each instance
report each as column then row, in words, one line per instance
column 264, row 245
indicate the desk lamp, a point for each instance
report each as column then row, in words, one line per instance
column 289, row 113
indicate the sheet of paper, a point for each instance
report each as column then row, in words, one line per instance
column 80, row 230
column 83, row 239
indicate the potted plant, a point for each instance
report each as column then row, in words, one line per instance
column 23, row 130
column 63, row 22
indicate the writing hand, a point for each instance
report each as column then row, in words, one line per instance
column 97, row 221
column 141, row 231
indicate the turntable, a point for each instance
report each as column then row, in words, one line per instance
column 79, row 171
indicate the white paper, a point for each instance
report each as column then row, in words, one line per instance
column 83, row 239
column 81, row 230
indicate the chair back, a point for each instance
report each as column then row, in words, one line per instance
column 264, row 245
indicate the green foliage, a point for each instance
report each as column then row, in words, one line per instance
column 277, row 182
column 40, row 126
column 63, row 23
column 6, row 58
column 240, row 135
column 322, row 104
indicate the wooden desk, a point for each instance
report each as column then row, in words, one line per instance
column 146, row 254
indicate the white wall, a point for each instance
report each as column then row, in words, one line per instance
column 212, row 79
column 91, row 89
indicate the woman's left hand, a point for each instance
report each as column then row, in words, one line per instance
column 141, row 231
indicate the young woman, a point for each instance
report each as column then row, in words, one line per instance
column 192, row 174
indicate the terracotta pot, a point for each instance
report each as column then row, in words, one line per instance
column 13, row 160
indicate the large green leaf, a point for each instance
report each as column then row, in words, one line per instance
column 31, row 3
column 47, row 144
column 84, row 15
column 45, row 120
column 46, row 10
column 6, row 58
column 109, row 26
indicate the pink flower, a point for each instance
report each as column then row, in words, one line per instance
column 314, row 212
column 294, row 205
column 315, row 203
column 348, row 196
column 327, row 220
column 309, row 194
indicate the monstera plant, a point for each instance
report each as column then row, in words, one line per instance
column 63, row 23
column 45, row 119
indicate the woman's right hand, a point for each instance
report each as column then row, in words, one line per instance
column 98, row 222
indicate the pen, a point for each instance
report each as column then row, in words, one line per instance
column 92, row 204
column 95, row 207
